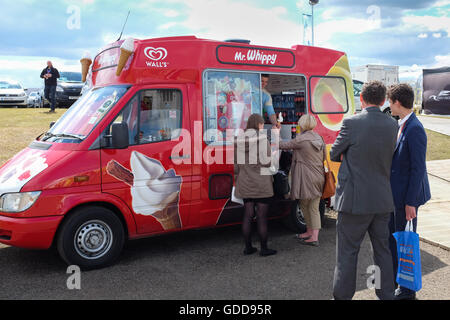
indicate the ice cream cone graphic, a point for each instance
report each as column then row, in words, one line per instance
column 155, row 191
column 126, row 50
column 169, row 217
column 85, row 63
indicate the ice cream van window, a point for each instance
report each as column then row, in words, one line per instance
column 230, row 98
column 84, row 115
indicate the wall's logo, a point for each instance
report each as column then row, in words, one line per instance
column 155, row 54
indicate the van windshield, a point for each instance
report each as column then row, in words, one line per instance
column 82, row 117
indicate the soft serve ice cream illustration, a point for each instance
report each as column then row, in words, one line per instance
column 155, row 191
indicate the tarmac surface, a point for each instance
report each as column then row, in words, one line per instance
column 433, row 219
column 209, row 264
column 441, row 125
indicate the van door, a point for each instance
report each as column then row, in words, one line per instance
column 144, row 174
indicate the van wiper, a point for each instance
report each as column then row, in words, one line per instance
column 48, row 135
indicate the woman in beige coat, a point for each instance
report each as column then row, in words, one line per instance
column 254, row 184
column 307, row 175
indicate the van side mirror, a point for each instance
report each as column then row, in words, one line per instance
column 52, row 123
column 119, row 135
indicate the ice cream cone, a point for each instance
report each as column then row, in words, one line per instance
column 169, row 218
column 124, row 55
column 85, row 63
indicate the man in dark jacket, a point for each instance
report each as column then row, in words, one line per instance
column 409, row 179
column 50, row 74
column 365, row 145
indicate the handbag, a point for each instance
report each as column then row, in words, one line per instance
column 409, row 272
column 329, row 188
column 281, row 183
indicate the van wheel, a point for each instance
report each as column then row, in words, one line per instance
column 91, row 237
column 295, row 220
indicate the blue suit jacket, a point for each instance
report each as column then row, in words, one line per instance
column 409, row 179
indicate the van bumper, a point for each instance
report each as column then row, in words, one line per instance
column 32, row 233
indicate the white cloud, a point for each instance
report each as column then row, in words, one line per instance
column 167, row 26
column 220, row 20
column 428, row 23
column 436, row 35
column 422, row 36
column 441, row 61
column 441, row 3
column 171, row 13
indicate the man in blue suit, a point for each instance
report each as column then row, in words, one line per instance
column 409, row 180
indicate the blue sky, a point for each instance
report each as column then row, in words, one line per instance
column 410, row 34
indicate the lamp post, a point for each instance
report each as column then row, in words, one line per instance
column 312, row 3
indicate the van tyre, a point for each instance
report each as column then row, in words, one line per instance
column 295, row 220
column 91, row 238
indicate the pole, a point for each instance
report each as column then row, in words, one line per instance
column 312, row 24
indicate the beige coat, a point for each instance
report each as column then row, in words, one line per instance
column 250, row 183
column 307, row 171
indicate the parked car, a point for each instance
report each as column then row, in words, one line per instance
column 68, row 89
column 12, row 94
column 34, row 100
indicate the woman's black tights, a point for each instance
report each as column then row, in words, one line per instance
column 261, row 220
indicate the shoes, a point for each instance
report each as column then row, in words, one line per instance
column 404, row 294
column 309, row 243
column 250, row 250
column 297, row 236
column 267, row 252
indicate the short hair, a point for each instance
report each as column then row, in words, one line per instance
column 374, row 93
column 254, row 121
column 307, row 122
column 264, row 75
column 402, row 93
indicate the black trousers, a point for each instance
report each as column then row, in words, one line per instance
column 50, row 95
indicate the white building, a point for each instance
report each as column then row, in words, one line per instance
column 386, row 74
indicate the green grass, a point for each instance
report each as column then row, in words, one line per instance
column 438, row 147
column 19, row 127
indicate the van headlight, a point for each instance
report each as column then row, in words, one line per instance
column 18, row 202
column 59, row 89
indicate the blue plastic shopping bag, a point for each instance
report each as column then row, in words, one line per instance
column 409, row 272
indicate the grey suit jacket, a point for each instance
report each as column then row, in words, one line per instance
column 367, row 142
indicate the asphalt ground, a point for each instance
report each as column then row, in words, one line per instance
column 208, row 265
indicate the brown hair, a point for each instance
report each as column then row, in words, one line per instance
column 254, row 121
column 402, row 93
column 374, row 93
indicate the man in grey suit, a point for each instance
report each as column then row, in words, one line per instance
column 363, row 199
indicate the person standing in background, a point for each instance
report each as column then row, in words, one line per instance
column 50, row 76
column 365, row 146
column 409, row 179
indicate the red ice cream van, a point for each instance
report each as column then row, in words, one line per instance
column 144, row 151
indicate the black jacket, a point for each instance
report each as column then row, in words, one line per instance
column 52, row 80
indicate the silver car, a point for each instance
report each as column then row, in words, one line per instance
column 34, row 100
column 12, row 94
